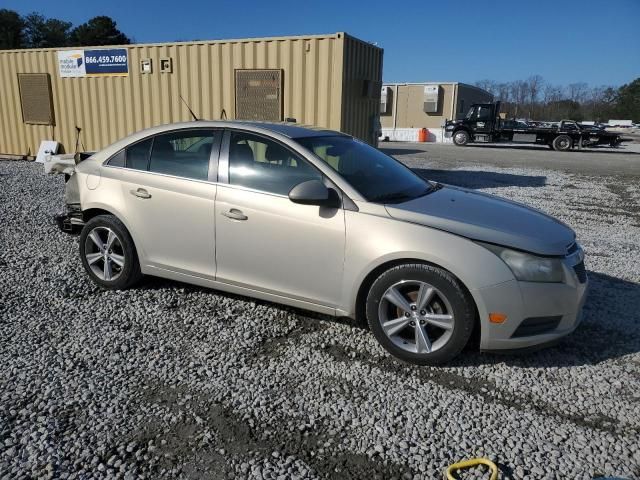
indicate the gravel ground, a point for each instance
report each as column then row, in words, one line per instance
column 169, row 380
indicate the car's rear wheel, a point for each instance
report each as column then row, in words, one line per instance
column 420, row 313
column 108, row 253
column 461, row 138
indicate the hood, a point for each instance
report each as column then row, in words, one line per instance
column 486, row 218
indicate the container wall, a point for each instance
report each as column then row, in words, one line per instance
column 409, row 111
column 406, row 109
column 109, row 108
column 362, row 82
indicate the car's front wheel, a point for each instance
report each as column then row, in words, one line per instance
column 420, row 313
column 108, row 253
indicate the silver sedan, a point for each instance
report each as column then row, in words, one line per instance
column 319, row 220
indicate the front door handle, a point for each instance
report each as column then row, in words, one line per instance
column 235, row 214
column 140, row 193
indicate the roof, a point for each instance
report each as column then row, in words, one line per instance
column 288, row 129
column 194, row 42
column 392, row 84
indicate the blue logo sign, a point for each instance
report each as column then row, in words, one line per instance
column 114, row 61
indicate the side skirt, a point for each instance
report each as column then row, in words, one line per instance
column 236, row 289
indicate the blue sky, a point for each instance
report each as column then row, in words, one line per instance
column 565, row 41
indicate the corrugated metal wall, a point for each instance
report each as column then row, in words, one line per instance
column 109, row 108
column 362, row 63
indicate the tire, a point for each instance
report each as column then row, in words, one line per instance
column 119, row 268
column 562, row 143
column 444, row 297
column 461, row 138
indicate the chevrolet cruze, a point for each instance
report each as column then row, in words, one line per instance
column 321, row 221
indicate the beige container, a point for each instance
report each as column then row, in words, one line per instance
column 330, row 81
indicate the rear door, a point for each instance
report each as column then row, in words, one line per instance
column 263, row 240
column 169, row 198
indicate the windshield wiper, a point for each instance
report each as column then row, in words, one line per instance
column 400, row 196
column 392, row 197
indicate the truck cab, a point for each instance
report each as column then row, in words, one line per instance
column 479, row 124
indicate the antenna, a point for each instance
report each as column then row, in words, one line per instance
column 76, row 155
column 189, row 108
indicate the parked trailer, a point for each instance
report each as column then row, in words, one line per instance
column 483, row 124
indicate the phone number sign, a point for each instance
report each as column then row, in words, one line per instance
column 114, row 61
column 93, row 63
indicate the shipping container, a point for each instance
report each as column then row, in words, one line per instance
column 331, row 81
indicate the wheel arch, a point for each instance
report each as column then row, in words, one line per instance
column 462, row 128
column 98, row 209
column 369, row 278
column 89, row 213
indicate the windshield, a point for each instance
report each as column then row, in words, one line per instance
column 376, row 176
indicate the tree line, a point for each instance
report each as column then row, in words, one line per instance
column 36, row 31
column 536, row 99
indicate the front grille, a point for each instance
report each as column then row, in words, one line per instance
column 537, row 326
column 581, row 272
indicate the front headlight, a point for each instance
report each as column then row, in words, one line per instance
column 527, row 267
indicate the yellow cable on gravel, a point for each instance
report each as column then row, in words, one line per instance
column 474, row 462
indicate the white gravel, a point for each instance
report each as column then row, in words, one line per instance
column 169, row 380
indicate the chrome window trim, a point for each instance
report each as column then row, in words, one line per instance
column 175, row 177
column 252, row 190
column 213, row 156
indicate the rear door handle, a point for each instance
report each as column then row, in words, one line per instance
column 140, row 193
column 235, row 214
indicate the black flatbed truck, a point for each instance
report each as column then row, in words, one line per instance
column 483, row 124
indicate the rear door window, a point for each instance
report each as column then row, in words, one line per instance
column 182, row 154
column 138, row 155
column 118, row 159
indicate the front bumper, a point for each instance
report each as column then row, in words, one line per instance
column 537, row 313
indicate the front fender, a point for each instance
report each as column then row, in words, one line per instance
column 373, row 241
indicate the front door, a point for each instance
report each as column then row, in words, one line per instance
column 482, row 119
column 170, row 200
column 263, row 240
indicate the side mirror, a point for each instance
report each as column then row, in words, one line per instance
column 314, row 192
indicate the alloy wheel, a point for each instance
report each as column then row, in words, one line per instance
column 416, row 316
column 104, row 253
